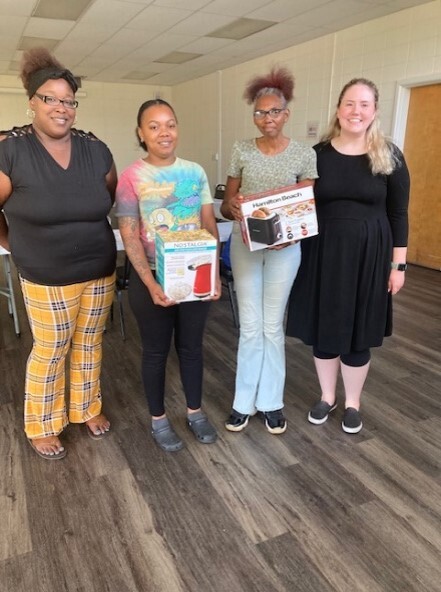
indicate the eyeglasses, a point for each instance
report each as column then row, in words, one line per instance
column 54, row 102
column 273, row 113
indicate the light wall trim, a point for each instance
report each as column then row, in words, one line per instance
column 402, row 99
column 12, row 90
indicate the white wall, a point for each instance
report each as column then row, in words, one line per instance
column 212, row 113
column 197, row 105
column 108, row 110
column 388, row 50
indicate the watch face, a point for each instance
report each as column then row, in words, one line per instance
column 399, row 266
column 402, row 266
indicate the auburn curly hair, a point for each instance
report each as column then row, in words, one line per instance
column 36, row 59
column 39, row 65
column 278, row 81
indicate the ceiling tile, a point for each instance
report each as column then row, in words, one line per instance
column 160, row 46
column 72, row 54
column 91, row 33
column 234, row 8
column 111, row 12
column 124, row 41
column 158, row 18
column 280, row 10
column 139, row 75
column 7, row 46
column 93, row 61
column 50, row 28
column 201, row 24
column 30, row 42
column 10, row 26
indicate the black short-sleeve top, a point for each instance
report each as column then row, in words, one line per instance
column 58, row 228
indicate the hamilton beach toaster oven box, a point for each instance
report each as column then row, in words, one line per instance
column 186, row 264
column 278, row 216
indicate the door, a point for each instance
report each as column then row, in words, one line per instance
column 422, row 150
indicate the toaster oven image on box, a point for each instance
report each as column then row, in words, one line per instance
column 267, row 230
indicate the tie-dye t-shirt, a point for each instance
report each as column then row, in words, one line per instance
column 163, row 198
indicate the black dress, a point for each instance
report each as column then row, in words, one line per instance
column 339, row 302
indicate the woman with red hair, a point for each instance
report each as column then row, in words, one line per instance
column 263, row 278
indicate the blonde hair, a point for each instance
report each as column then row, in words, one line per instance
column 380, row 150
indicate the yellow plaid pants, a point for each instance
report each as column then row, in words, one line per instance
column 62, row 317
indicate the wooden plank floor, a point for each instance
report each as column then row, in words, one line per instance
column 314, row 510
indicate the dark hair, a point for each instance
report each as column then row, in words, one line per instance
column 146, row 105
column 38, row 65
column 278, row 81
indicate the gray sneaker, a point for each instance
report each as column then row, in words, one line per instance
column 320, row 412
column 351, row 423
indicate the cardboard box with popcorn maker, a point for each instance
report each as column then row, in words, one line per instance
column 186, row 264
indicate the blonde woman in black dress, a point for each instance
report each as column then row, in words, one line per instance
column 341, row 300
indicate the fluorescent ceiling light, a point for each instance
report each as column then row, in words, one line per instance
column 137, row 75
column 69, row 10
column 241, row 28
column 178, row 57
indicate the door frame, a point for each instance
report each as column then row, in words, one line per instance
column 402, row 99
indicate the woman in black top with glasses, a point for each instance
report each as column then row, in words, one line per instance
column 57, row 186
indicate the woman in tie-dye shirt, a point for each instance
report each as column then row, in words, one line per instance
column 163, row 192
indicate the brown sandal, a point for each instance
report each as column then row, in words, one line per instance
column 95, row 436
column 55, row 456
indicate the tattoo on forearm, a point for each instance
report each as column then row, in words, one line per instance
column 128, row 222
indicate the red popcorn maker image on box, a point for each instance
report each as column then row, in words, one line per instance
column 186, row 264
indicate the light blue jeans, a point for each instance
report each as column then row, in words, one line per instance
column 263, row 281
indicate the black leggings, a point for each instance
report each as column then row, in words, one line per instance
column 353, row 358
column 156, row 326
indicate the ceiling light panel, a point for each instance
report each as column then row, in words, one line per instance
column 138, row 75
column 241, row 28
column 178, row 57
column 69, row 10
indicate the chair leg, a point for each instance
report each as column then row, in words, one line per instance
column 233, row 303
column 11, row 298
column 121, row 315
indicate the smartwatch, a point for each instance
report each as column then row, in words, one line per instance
column 399, row 266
